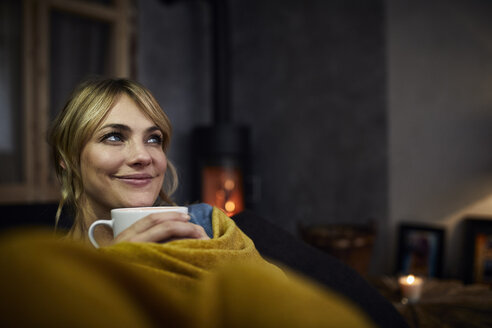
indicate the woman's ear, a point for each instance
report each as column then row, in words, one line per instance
column 62, row 164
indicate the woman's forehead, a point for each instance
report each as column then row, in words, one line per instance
column 126, row 111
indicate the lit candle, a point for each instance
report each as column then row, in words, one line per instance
column 411, row 287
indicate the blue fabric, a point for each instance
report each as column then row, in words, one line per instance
column 201, row 214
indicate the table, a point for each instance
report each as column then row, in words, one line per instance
column 444, row 303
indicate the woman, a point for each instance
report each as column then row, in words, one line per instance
column 109, row 147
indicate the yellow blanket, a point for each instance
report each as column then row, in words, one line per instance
column 222, row 282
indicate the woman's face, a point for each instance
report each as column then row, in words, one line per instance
column 123, row 163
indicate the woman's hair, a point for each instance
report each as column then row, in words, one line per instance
column 84, row 111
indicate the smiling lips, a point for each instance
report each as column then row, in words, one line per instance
column 138, row 180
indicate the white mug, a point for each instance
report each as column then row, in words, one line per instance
column 122, row 218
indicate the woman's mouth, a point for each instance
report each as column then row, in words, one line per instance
column 140, row 179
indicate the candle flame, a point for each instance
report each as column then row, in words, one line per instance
column 410, row 279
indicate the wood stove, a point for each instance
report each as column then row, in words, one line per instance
column 222, row 165
column 222, row 150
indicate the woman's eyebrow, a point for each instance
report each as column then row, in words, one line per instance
column 116, row 126
column 123, row 127
column 153, row 128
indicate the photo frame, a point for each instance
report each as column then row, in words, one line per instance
column 420, row 250
column 477, row 260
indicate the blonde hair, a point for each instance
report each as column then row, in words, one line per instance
column 84, row 111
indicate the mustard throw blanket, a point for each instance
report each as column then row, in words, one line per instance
column 222, row 282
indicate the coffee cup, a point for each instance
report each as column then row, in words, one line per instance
column 122, row 218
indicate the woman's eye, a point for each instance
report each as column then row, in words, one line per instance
column 113, row 137
column 155, row 139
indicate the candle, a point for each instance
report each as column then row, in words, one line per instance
column 411, row 287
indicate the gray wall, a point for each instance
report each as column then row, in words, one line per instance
column 308, row 78
column 440, row 114
column 358, row 109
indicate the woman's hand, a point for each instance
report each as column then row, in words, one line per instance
column 162, row 227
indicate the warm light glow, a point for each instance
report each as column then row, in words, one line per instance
column 229, row 184
column 220, row 194
column 411, row 288
column 223, row 187
column 230, row 206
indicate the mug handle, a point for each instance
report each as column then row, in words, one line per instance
column 108, row 223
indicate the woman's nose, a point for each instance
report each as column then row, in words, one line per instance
column 139, row 155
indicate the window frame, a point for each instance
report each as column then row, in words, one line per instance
column 37, row 184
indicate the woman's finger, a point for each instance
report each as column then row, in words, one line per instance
column 170, row 230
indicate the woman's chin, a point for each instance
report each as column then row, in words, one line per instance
column 142, row 203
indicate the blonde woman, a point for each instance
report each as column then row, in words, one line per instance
column 109, row 148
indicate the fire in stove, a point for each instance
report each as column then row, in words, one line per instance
column 223, row 187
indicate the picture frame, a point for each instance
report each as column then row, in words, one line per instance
column 420, row 250
column 477, row 257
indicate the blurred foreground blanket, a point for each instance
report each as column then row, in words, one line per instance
column 223, row 282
